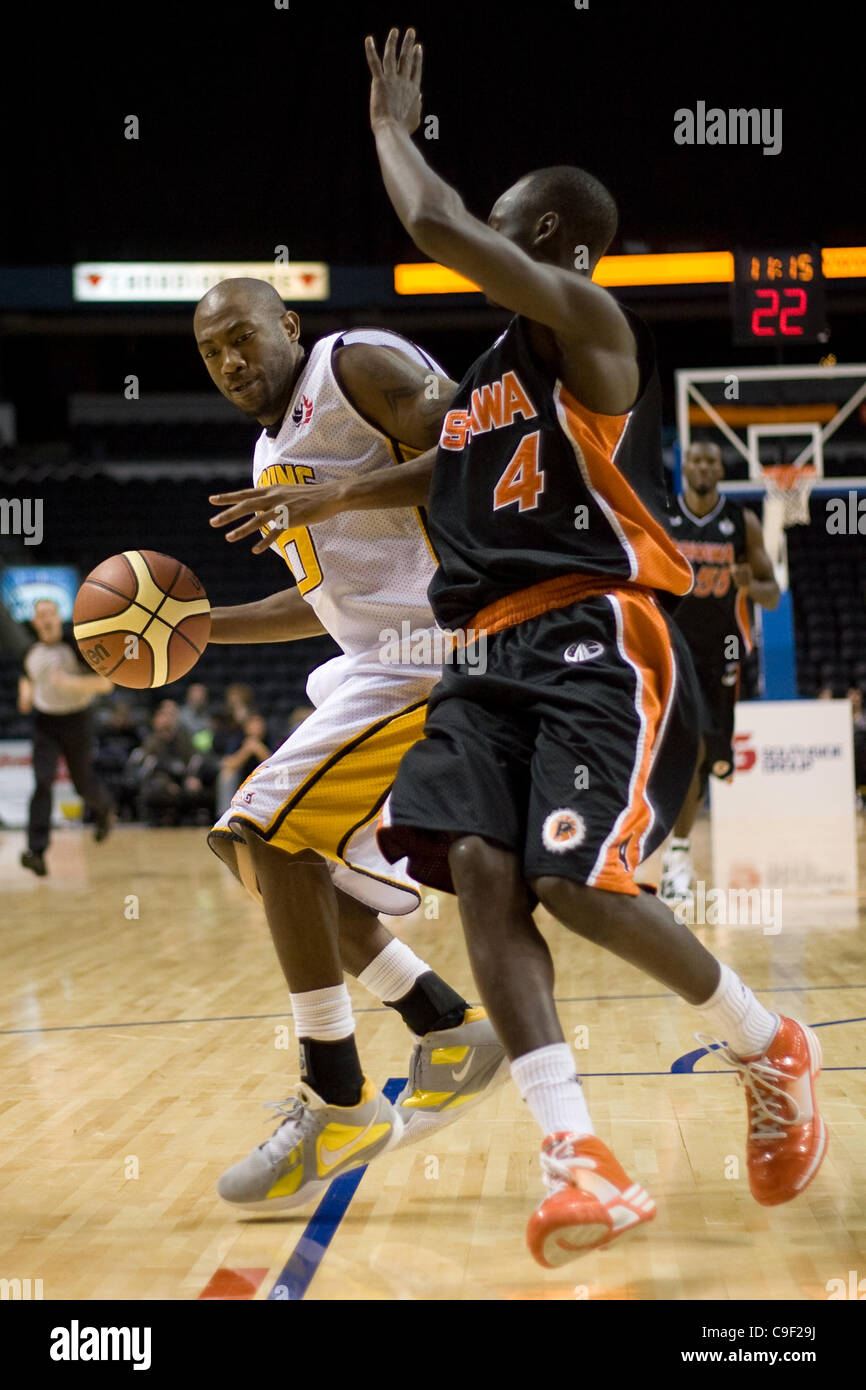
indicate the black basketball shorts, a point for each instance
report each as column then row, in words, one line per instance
column 719, row 684
column 572, row 743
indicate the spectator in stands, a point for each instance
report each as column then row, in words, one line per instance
column 237, row 766
column 230, row 720
column 826, row 693
column 239, row 700
column 195, row 715
column 116, row 740
column 166, row 770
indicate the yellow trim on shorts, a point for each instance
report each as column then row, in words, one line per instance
column 335, row 798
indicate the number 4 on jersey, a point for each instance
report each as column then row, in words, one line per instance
column 523, row 481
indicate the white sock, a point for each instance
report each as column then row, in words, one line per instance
column 393, row 972
column 735, row 1015
column 548, row 1081
column 323, row 1014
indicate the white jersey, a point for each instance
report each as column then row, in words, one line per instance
column 365, row 572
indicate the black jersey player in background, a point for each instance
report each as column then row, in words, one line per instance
column 549, row 776
column 725, row 546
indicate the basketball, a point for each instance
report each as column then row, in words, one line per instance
column 142, row 619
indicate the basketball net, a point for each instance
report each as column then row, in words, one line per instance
column 786, row 504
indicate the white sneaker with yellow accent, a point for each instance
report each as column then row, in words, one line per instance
column 315, row 1143
column 449, row 1072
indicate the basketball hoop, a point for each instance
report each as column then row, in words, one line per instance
column 790, row 488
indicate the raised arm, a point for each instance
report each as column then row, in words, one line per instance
column 596, row 344
column 282, row 617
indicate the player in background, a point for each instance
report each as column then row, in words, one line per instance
column 551, row 775
column 725, row 546
column 300, row 831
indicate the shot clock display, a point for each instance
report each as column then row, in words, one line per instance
column 778, row 297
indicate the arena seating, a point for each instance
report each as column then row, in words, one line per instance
column 828, row 580
column 88, row 518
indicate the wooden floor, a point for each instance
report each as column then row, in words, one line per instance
column 136, row 1052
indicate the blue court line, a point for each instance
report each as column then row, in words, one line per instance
column 686, row 1064
column 686, row 1071
column 382, row 1009
column 297, row 1274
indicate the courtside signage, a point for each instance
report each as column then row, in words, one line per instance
column 792, row 758
column 788, row 818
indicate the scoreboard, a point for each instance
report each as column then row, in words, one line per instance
column 778, row 297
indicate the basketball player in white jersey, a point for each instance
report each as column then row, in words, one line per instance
column 300, row 831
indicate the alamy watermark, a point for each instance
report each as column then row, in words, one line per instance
column 22, row 516
column 736, row 126
column 732, row 907
column 77, row 1343
column 846, row 516
column 434, row 646
column 853, row 1287
column 24, row 1290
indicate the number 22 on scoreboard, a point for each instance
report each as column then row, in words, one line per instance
column 771, row 309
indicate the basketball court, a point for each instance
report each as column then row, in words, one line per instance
column 224, row 267
column 138, row 1051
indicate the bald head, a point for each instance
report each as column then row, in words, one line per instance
column 550, row 212
column 248, row 341
column 244, row 293
column 47, row 620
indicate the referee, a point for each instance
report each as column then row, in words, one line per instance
column 60, row 695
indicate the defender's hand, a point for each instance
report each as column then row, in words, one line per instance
column 396, row 91
column 280, row 508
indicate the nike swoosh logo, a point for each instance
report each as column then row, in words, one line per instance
column 459, row 1075
column 330, row 1157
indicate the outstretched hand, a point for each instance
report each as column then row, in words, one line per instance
column 395, row 94
column 279, row 508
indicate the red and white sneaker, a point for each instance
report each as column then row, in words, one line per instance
column 787, row 1139
column 590, row 1200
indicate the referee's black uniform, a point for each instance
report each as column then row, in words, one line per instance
column 62, row 725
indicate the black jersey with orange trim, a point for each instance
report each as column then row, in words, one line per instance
column 716, row 609
column 530, row 485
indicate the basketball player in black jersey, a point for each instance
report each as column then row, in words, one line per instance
column 548, row 777
column 725, row 546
